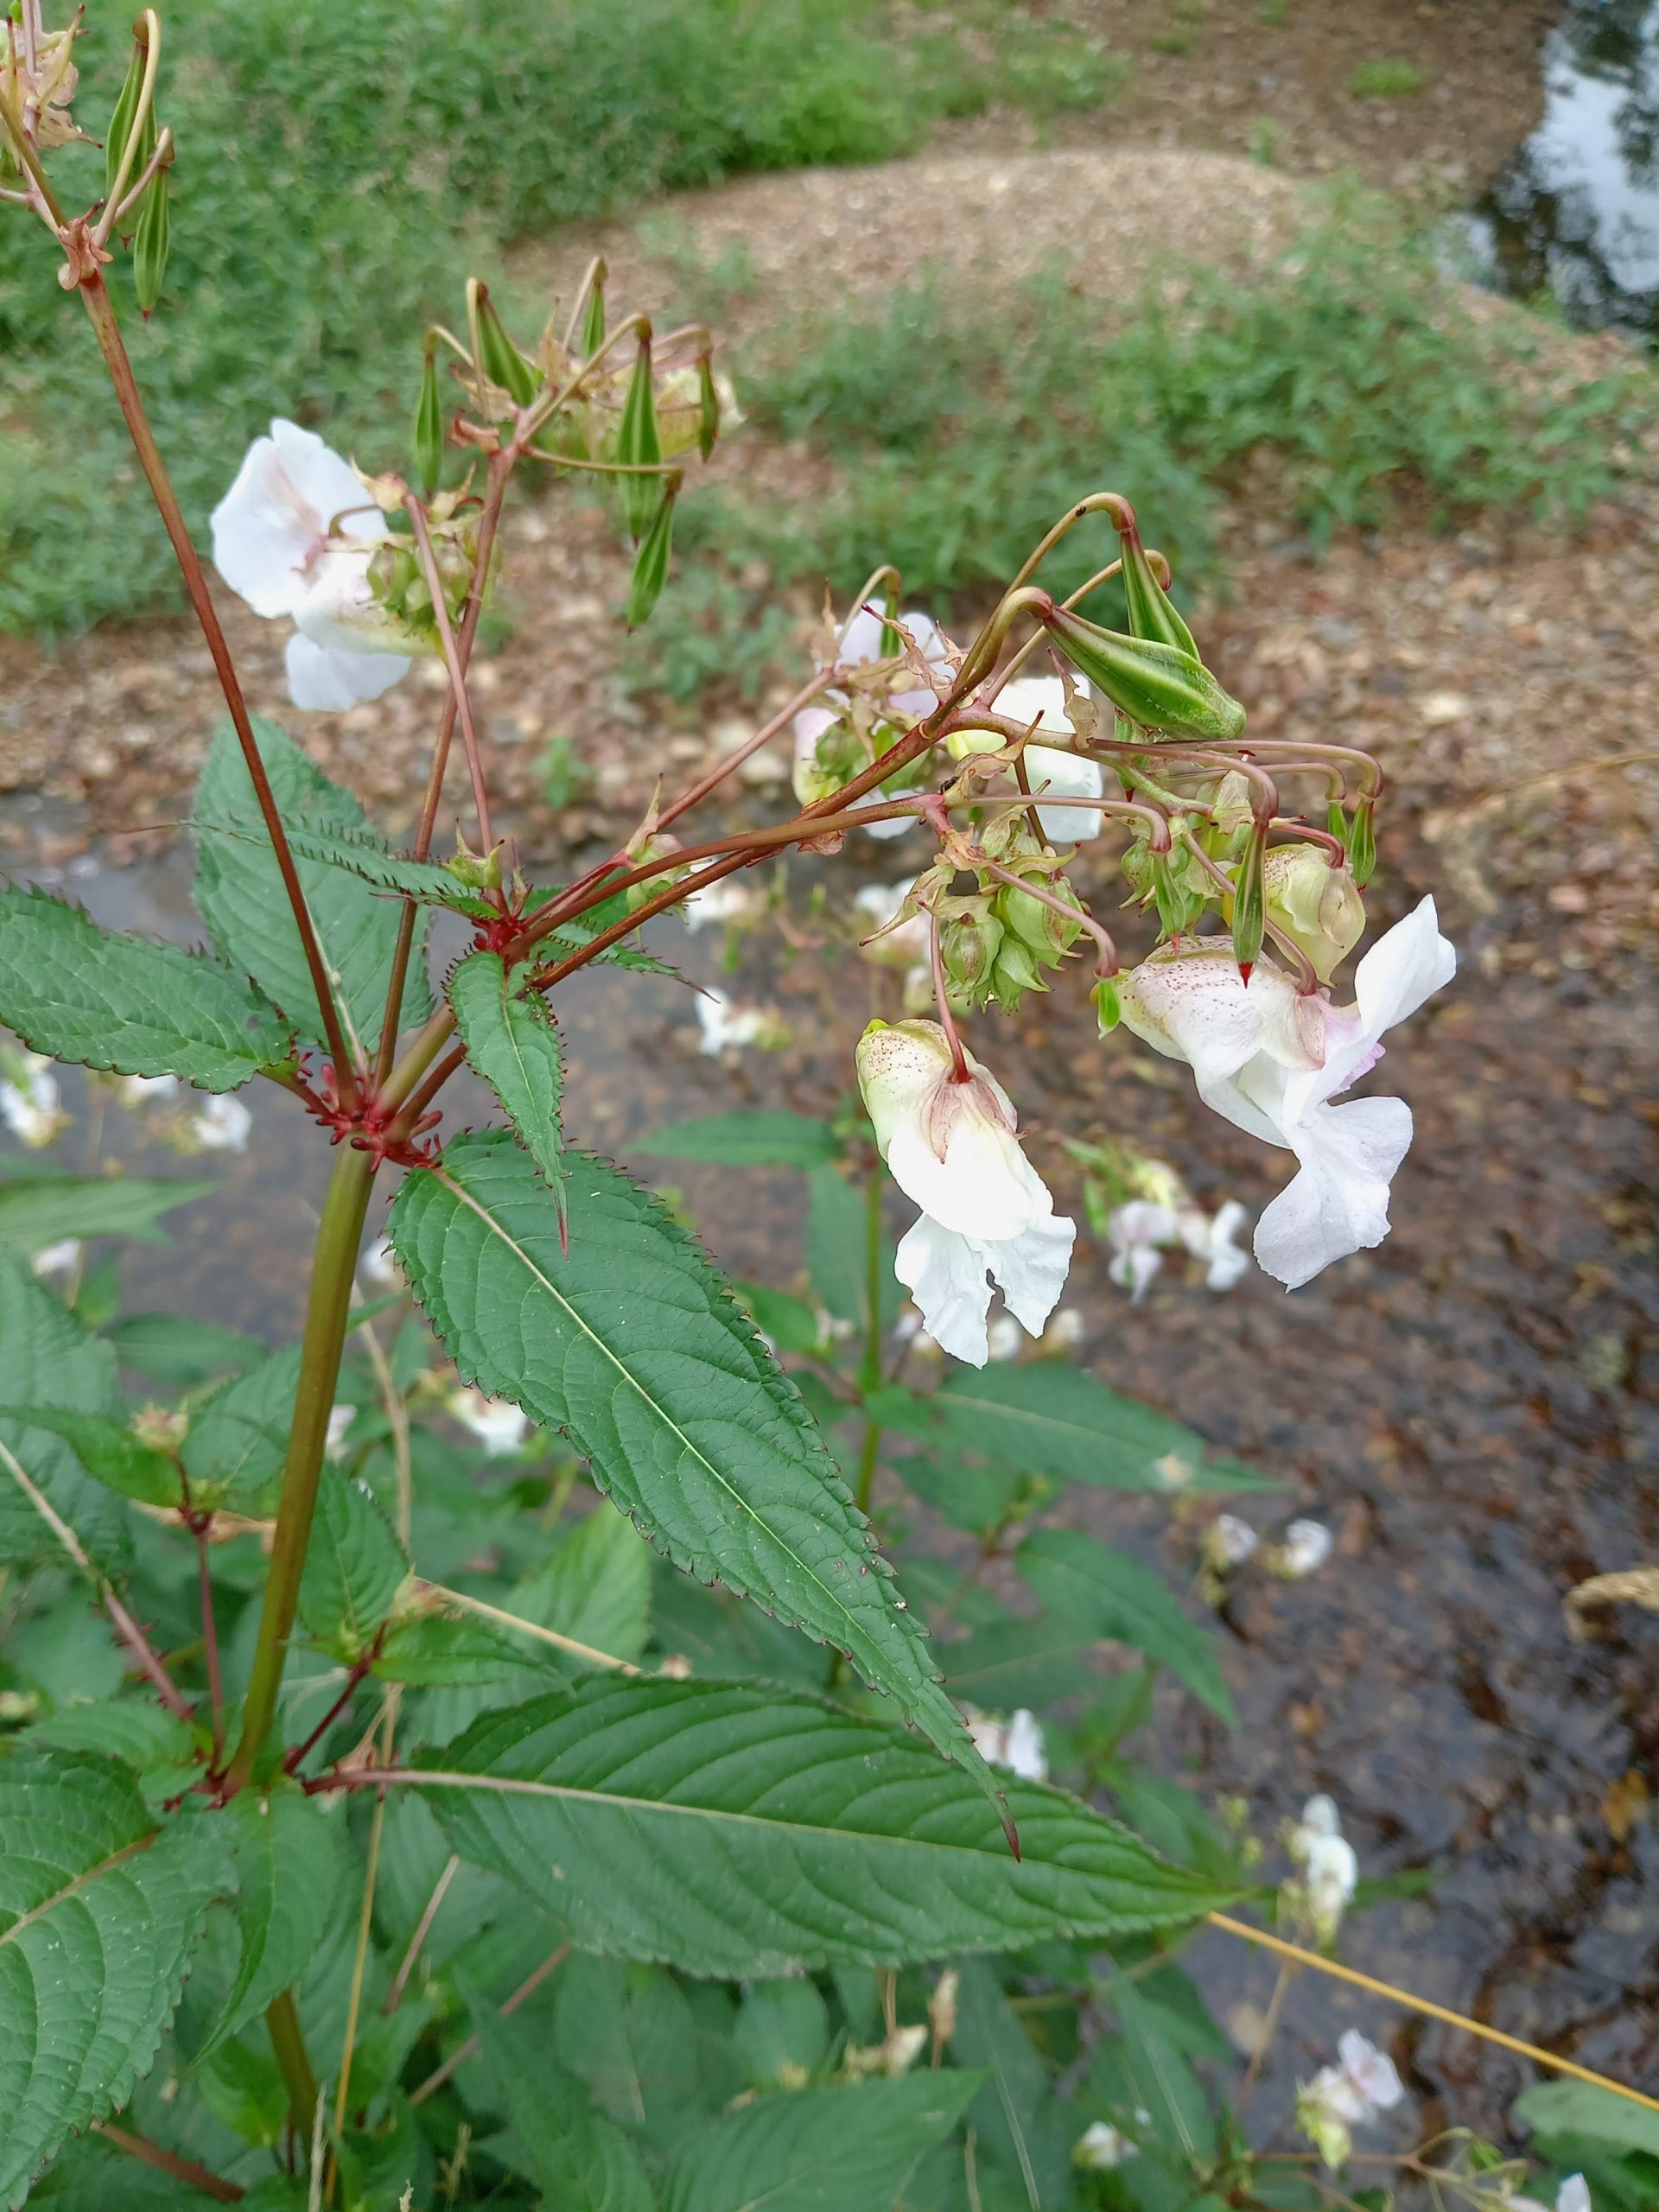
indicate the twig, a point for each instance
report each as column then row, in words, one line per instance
column 394, row 1996
column 462, row 2052
column 170, row 2162
column 452, row 662
column 488, row 1612
column 210, row 1642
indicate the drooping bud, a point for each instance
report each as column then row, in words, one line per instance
column 1108, row 1007
column 1249, row 915
column 592, row 327
column 1152, row 612
column 429, row 425
column 1318, row 907
column 149, row 243
column 651, row 562
column 640, row 446
column 1158, row 686
column 1362, row 842
column 498, row 360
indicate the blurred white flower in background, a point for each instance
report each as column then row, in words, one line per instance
column 986, row 1213
column 1347, row 2095
column 499, row 1427
column 1065, row 1330
column 1328, row 1869
column 341, row 1418
column 222, row 1125
column 30, row 1102
column 1306, row 1548
column 1229, row 1542
column 1004, row 1338
column 816, row 773
column 1573, row 2196
column 378, row 1265
column 725, row 1027
column 1209, row 1238
column 1141, row 1231
column 294, row 536
column 1015, row 1742
column 1051, row 769
column 137, row 1090
column 718, row 904
column 59, row 1259
column 1101, row 2147
column 884, row 939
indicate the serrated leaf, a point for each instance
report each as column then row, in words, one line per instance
column 762, row 1138
column 360, row 853
column 287, row 1848
column 1048, row 1418
column 354, row 1570
column 236, row 1442
column 95, row 1515
column 631, row 1345
column 47, row 1357
column 580, row 2158
column 1015, row 1660
column 128, row 1004
column 1016, row 2116
column 445, row 1650
column 1107, row 1594
column 513, row 1041
column 845, row 2148
column 46, row 1208
column 137, row 1732
column 99, row 1912
column 108, row 1451
column 239, row 894
column 595, row 1586
column 172, row 1349
column 738, row 1829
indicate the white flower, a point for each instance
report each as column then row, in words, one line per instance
column 1052, row 769
column 886, row 940
column 1209, row 1238
column 1065, row 1330
column 1229, row 1540
column 340, row 1420
column 500, row 1427
column 1015, row 1742
column 986, row 1212
column 1004, row 1338
column 719, row 903
column 1330, row 1870
column 1101, row 2147
column 378, row 1264
column 59, row 1259
column 147, row 1090
column 1347, row 2095
column 725, row 1026
column 1136, row 1233
column 1271, row 1061
column 294, row 536
column 222, row 1126
column 1574, row 2195
column 1304, row 1550
column 29, row 1100
column 861, row 642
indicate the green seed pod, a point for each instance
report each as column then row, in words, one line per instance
column 498, row 358
column 709, row 407
column 429, row 425
column 120, row 129
column 1158, row 686
column 1107, row 1006
column 1037, row 927
column 593, row 328
column 640, row 445
column 1249, row 907
column 651, row 562
column 970, row 941
column 1362, row 842
column 149, row 243
column 1336, row 821
column 1015, row 973
column 1151, row 611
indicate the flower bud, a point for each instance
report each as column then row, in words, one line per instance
column 1362, row 842
column 969, row 940
column 498, row 360
column 475, row 871
column 149, row 243
column 1151, row 611
column 429, row 425
column 1108, row 1007
column 1157, row 686
column 1249, row 905
column 640, row 445
column 592, row 327
column 1318, row 907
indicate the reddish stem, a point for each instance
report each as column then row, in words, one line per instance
column 210, row 1642
column 959, row 1070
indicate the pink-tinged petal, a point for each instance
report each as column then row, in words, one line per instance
column 328, row 485
column 946, row 1274
column 1031, row 1269
column 264, row 532
column 1408, row 964
column 1192, row 1006
column 321, row 681
column 984, row 1188
column 1339, row 1202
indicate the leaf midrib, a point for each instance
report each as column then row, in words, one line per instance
column 73, row 1889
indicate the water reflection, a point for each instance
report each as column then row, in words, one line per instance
column 1575, row 216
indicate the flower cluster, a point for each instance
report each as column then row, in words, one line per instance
column 1362, row 2084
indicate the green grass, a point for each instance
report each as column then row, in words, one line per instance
column 1387, row 80
column 342, row 163
column 1344, row 383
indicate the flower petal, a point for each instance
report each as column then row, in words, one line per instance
column 1406, row 965
column 1031, row 1269
column 1339, row 1202
column 1066, row 775
column 946, row 1274
column 328, row 485
column 321, row 680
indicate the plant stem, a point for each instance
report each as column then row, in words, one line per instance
column 327, row 1317
column 294, row 2061
column 101, row 309
column 462, row 2052
column 210, row 1642
column 168, row 2162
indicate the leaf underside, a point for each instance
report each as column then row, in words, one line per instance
column 513, row 1041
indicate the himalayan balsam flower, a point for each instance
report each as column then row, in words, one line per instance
column 500, row 1427
column 142, row 1091
column 1015, row 1742
column 717, row 906
column 293, row 535
column 859, row 643
column 1573, row 2196
column 1304, row 1550
column 1349, row 2095
column 341, row 1418
column 986, row 1212
column 1330, row 1870
column 1053, row 772
column 1141, row 1231
column 1101, row 2148
column 886, row 940
column 378, row 1265
column 725, row 1026
column 1271, row 1061
column 1230, row 1541
column 222, row 1126
column 59, row 1259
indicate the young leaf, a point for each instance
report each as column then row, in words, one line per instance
column 109, row 1451
column 843, row 2148
column 1016, row 2116
column 236, row 1442
column 631, row 1343
column 513, row 1041
column 754, row 1139
column 106, row 1000
column 596, row 1588
column 737, row 1829
column 100, row 1912
column 39, row 1210
column 354, row 1570
column 1106, row 1595
column 581, row 2159
column 239, row 891
column 46, row 1356
column 172, row 1349
column 290, row 1866
column 27, row 1538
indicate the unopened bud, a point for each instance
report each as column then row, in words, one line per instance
column 1151, row 611
column 593, row 328
column 970, row 941
column 1107, row 1006
column 1318, row 907
column 429, row 425
column 149, row 243
column 498, row 360
column 475, row 871
column 1248, row 904
column 1158, row 686
column 1362, row 842
column 1036, row 925
column 161, row 1428
column 640, row 445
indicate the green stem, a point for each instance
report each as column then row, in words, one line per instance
column 287, row 2040
column 326, row 1319
column 869, row 1369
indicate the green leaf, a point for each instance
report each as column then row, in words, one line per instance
column 239, row 894
column 287, row 1848
column 361, row 854
column 580, row 2158
column 354, row 1570
column 845, row 2148
column 444, row 1650
column 1159, row 2082
column 108, row 1451
column 46, row 1356
column 100, row 1912
column 513, row 1041
column 737, row 1829
column 751, row 1138
column 137, row 1732
column 27, row 1538
column 1015, row 1662
column 651, row 563
column 236, row 1442
column 782, row 2031
column 1584, row 2113
column 102, row 999
column 172, row 1349
column 837, row 1243
column 790, row 1323
column 631, row 1343
column 45, row 1208
column 1047, row 1418
column 595, row 1587
column 1017, row 2117
column 1107, row 1594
